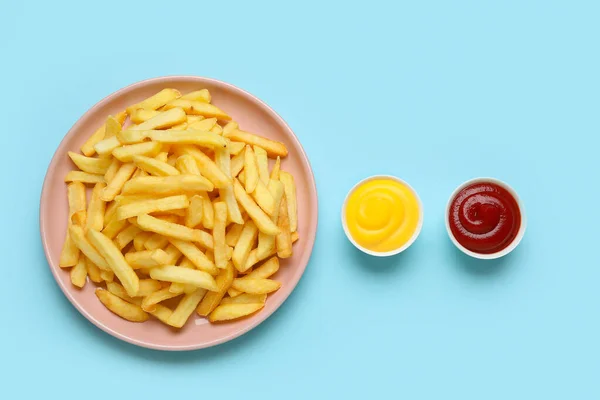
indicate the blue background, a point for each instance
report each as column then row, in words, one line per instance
column 435, row 92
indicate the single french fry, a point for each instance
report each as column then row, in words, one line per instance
column 244, row 245
column 228, row 312
column 207, row 167
column 123, row 309
column 189, row 136
column 245, row 298
column 194, row 212
column 266, row 270
column 69, row 256
column 199, row 95
column 149, row 303
column 79, row 273
column 147, row 287
column 88, row 147
column 231, row 126
column 276, row 169
column 263, row 164
column 107, row 276
column 140, row 239
column 126, row 236
column 266, row 242
column 272, row 147
column 223, row 161
column 116, row 261
column 213, row 298
column 237, row 163
column 256, row 286
column 154, row 167
column 208, row 212
column 185, row 308
column 156, row 101
column 97, row 166
column 126, row 153
column 93, row 271
column 110, row 211
column 163, row 120
column 195, row 256
column 147, row 258
column 283, row 240
column 161, row 313
column 84, row 177
column 106, row 146
column 140, row 115
column 290, row 194
column 250, row 170
column 151, row 206
column 205, row 124
column 264, row 198
column 220, row 251
column 173, row 230
column 112, row 126
column 76, row 196
column 199, row 108
column 116, row 184
column 114, row 228
column 262, row 220
column 112, row 169
column 82, row 243
column 172, row 273
column 96, row 209
column 167, row 185
column 233, row 234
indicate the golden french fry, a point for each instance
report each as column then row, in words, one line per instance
column 172, row 273
column 189, row 136
column 295, row 237
column 106, row 146
column 116, row 261
column 93, row 271
column 147, row 287
column 140, row 115
column 231, row 126
column 161, row 313
column 290, row 194
column 123, row 309
column 213, row 298
column 262, row 220
column 217, row 130
column 121, row 293
column 195, row 256
column 199, row 95
column 88, row 147
column 79, row 273
column 272, row 147
column 97, row 166
column 266, row 242
column 69, row 256
column 228, row 312
column 163, row 120
column 167, row 185
column 262, row 163
column 208, row 212
column 185, row 308
column 224, row 163
column 194, row 212
column 107, row 276
column 84, row 177
column 77, row 202
column 172, row 230
column 112, row 126
column 199, row 108
column 139, row 240
column 264, row 198
column 126, row 236
column 242, row 177
column 244, row 245
column 112, row 169
column 276, row 169
column 256, row 285
column 156, row 101
column 220, row 251
column 207, row 167
column 266, row 270
column 78, row 236
column 125, row 153
column 110, row 211
column 114, row 228
column 147, row 258
column 202, row 125
column 96, row 208
column 116, row 184
column 154, row 166
column 237, row 163
column 151, row 206
column 149, row 303
column 250, row 169
column 245, row 298
column 233, row 234
column 283, row 240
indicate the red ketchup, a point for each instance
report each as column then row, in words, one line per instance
column 484, row 218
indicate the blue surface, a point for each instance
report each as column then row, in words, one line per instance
column 434, row 92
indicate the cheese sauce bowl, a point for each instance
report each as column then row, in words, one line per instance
column 382, row 215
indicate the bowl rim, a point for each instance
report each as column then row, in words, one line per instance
column 516, row 240
column 406, row 245
column 258, row 318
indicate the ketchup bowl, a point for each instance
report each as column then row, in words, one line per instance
column 485, row 218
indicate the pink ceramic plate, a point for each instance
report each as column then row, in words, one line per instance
column 254, row 116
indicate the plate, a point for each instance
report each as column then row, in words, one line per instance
column 253, row 115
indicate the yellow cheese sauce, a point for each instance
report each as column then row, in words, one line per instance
column 382, row 215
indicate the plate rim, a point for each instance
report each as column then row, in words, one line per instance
column 259, row 318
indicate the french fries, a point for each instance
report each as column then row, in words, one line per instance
column 167, row 217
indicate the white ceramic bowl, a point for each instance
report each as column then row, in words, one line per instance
column 515, row 241
column 391, row 252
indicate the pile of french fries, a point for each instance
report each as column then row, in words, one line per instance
column 184, row 210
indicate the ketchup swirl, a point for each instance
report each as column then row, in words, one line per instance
column 484, row 218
